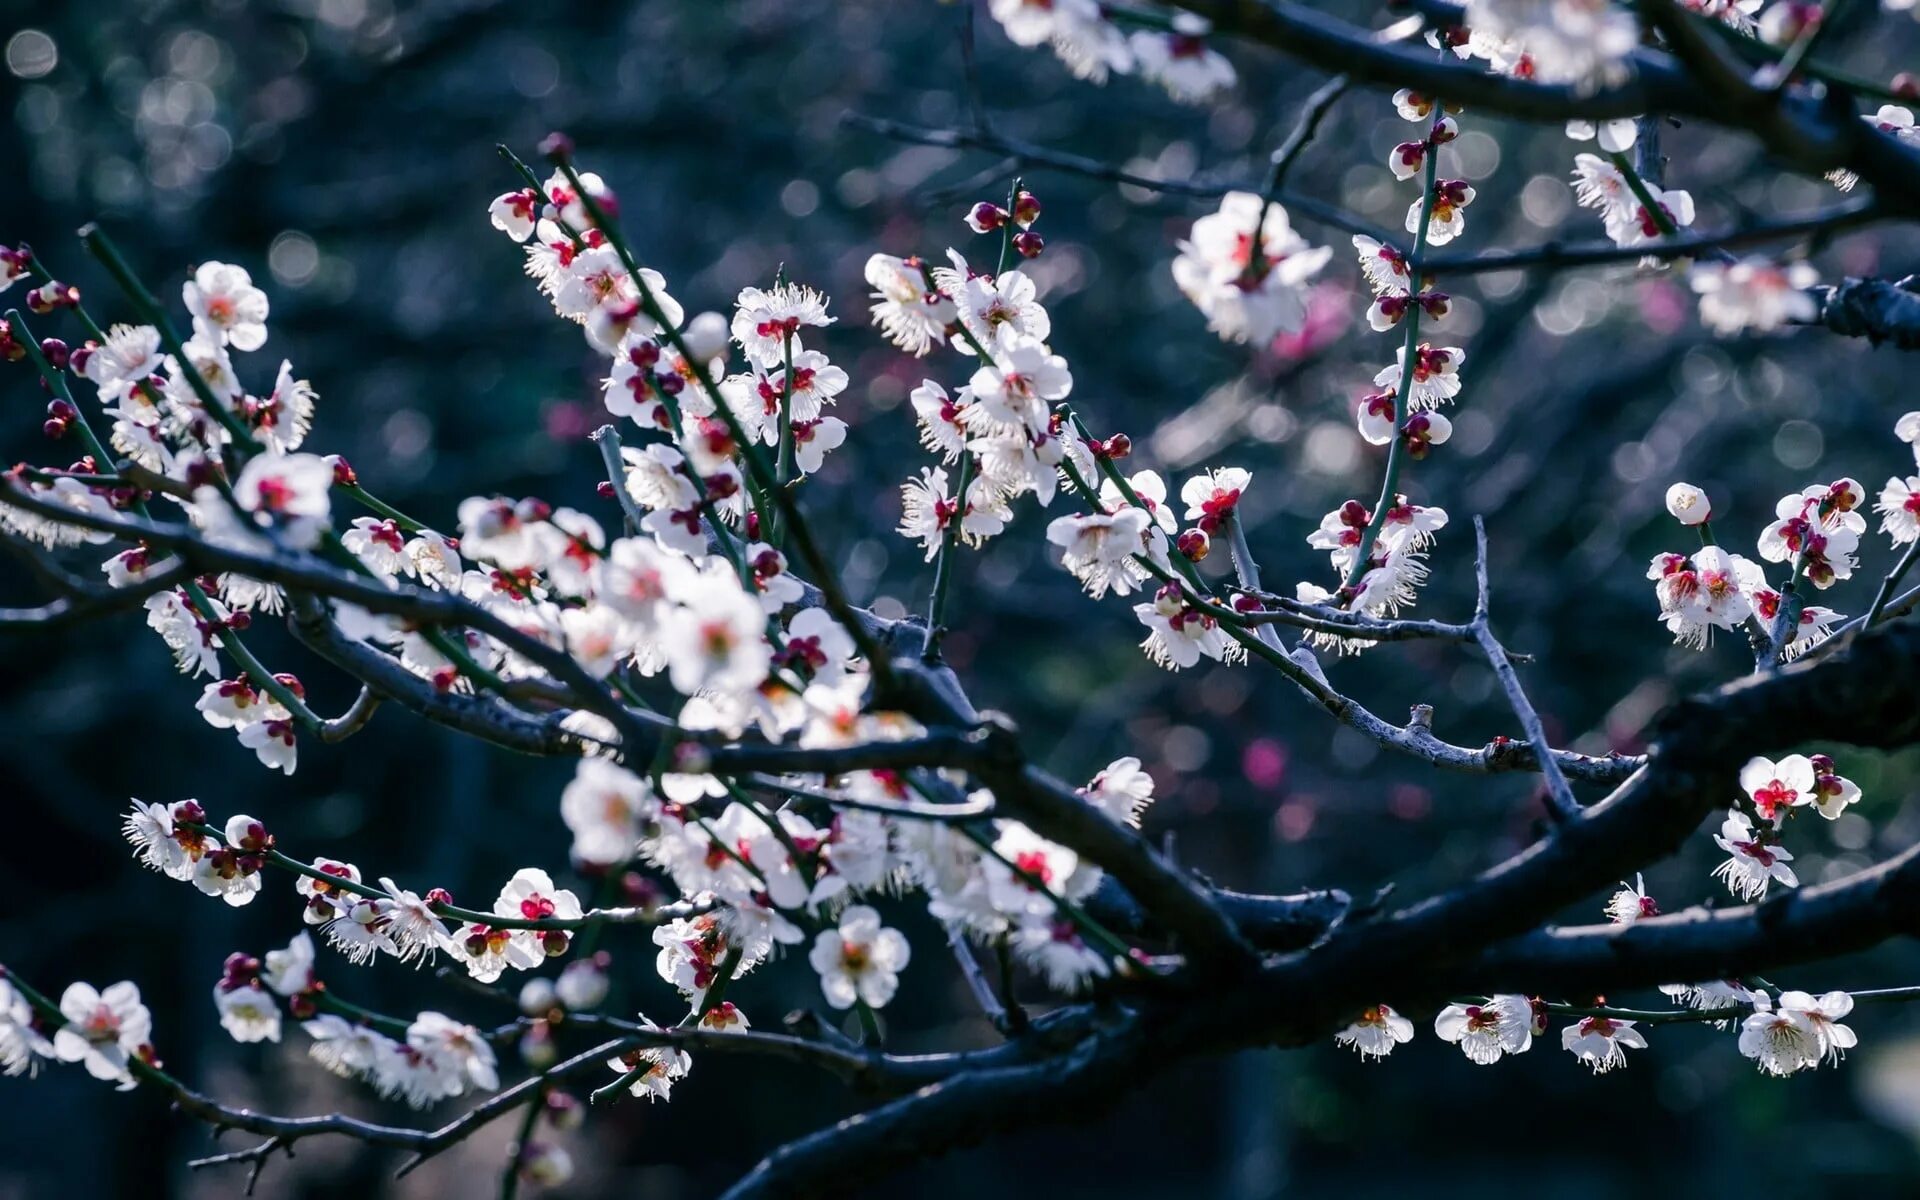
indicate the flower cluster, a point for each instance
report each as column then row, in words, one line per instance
column 1247, row 271
column 1585, row 43
column 1816, row 532
column 1088, row 38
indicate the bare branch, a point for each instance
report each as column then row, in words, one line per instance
column 1555, row 256
column 1561, row 803
column 1880, row 310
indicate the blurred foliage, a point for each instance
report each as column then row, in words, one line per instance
column 342, row 150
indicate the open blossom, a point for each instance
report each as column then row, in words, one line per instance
column 1757, row 858
column 1775, row 787
column 248, row 1012
column 1602, row 1042
column 1818, row 530
column 715, row 639
column 290, row 971
column 1631, row 903
column 531, row 895
column 1377, row 1031
column 1710, row 590
column 1753, row 294
column 21, row 1045
column 1013, row 388
column 651, row 1071
column 1799, row 1033
column 986, row 304
column 1832, row 792
column 1178, row 635
column 1484, row 1032
column 764, row 321
column 1213, row 497
column 457, row 1052
column 516, row 213
column 1098, row 549
column 1247, row 271
column 1447, row 214
column 925, row 509
column 1899, row 509
column 1715, row 996
column 104, row 1030
column 1123, row 790
column 1584, row 43
column 226, row 306
column 607, row 808
column 1180, row 60
column 859, row 961
column 1082, row 37
column 288, row 491
column 910, row 312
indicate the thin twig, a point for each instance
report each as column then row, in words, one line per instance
column 1561, row 801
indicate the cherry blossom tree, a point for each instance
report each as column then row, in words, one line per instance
column 796, row 771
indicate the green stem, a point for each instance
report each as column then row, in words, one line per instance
column 943, row 569
column 1402, row 394
column 710, row 1001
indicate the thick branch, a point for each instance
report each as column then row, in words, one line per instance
column 1880, row 310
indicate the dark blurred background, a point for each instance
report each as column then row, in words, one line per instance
column 342, row 150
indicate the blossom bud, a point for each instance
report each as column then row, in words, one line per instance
column 545, row 1164
column 986, row 217
column 79, row 357
column 669, row 384
column 10, row 347
column 1244, row 603
column 583, row 985
column 200, row 472
column 706, row 336
column 1029, row 244
column 1688, row 504
column 564, row 1112
column 343, row 474
column 47, row 297
column 1026, row 209
column 1906, row 85
column 646, row 352
column 557, row 148
column 1194, row 544
column 536, row 998
column 554, row 942
column 1117, row 446
column 439, row 896
column 56, row 351
column 536, row 1046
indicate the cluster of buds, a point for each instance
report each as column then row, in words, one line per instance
column 15, row 262
column 239, row 971
column 1408, row 158
column 48, row 297
column 61, row 416
column 987, row 217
